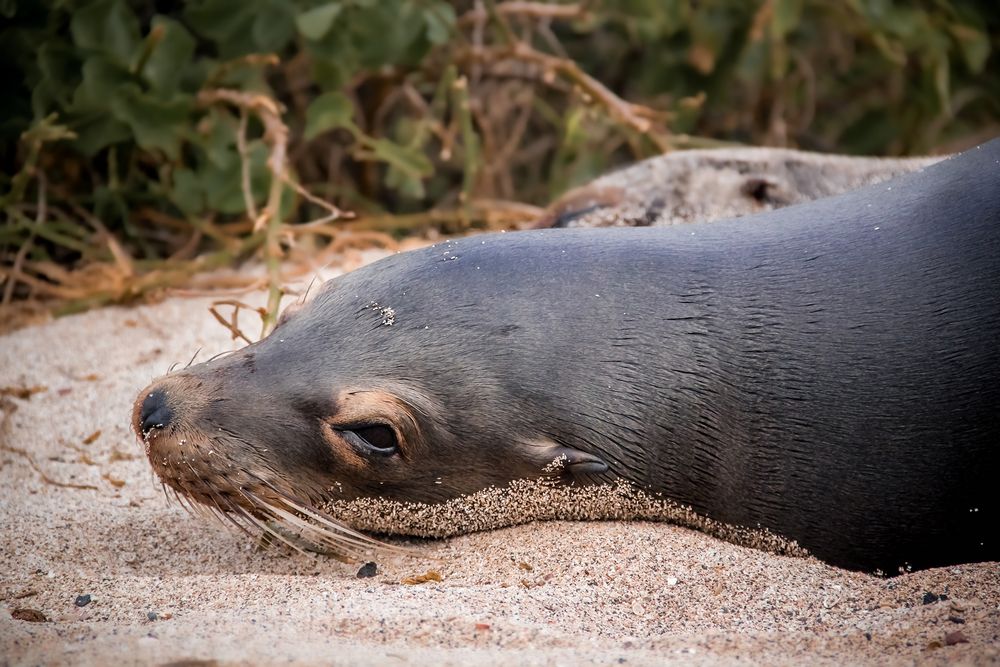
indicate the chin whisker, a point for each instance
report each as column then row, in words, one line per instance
column 328, row 523
column 318, row 534
column 259, row 508
column 269, row 530
column 184, row 502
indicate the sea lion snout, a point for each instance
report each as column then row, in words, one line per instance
column 231, row 435
column 163, row 418
column 166, row 406
column 154, row 412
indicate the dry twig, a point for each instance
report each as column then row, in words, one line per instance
column 269, row 219
column 232, row 324
column 638, row 117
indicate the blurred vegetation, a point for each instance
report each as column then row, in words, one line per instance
column 142, row 141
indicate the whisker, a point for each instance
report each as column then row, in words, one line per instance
column 271, row 531
column 195, row 356
column 220, row 354
column 309, row 287
column 236, row 518
column 275, row 514
column 183, row 502
column 329, row 523
column 226, row 514
column 316, row 533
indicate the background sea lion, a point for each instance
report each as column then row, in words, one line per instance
column 828, row 374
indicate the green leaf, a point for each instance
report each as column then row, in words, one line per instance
column 218, row 137
column 273, row 27
column 409, row 160
column 974, row 45
column 109, row 27
column 404, row 183
column 440, row 19
column 60, row 71
column 892, row 50
column 156, row 124
column 332, row 73
column 220, row 20
column 228, row 23
column 224, row 187
column 391, row 33
column 316, row 22
column 101, row 80
column 787, row 14
column 329, row 110
column 96, row 131
column 171, row 56
column 219, row 188
column 942, row 82
column 187, row 193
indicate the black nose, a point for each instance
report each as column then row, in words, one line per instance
column 155, row 413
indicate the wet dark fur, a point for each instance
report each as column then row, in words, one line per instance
column 829, row 371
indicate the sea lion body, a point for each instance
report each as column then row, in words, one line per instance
column 829, row 372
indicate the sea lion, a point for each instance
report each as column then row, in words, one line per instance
column 829, row 374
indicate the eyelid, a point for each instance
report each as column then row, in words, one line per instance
column 363, row 445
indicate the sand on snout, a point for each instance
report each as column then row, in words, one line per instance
column 82, row 515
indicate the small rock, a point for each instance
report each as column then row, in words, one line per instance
column 482, row 626
column 367, row 570
column 671, row 581
column 930, row 597
column 956, row 637
column 152, row 615
column 956, row 619
column 82, row 600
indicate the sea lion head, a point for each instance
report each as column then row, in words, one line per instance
column 383, row 385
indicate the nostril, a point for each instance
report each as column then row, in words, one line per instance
column 155, row 413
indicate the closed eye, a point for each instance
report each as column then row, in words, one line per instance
column 372, row 438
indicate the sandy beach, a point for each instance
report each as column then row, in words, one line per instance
column 82, row 515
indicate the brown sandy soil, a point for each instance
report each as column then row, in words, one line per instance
column 557, row 593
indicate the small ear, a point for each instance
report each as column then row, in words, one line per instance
column 552, row 457
column 581, row 463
